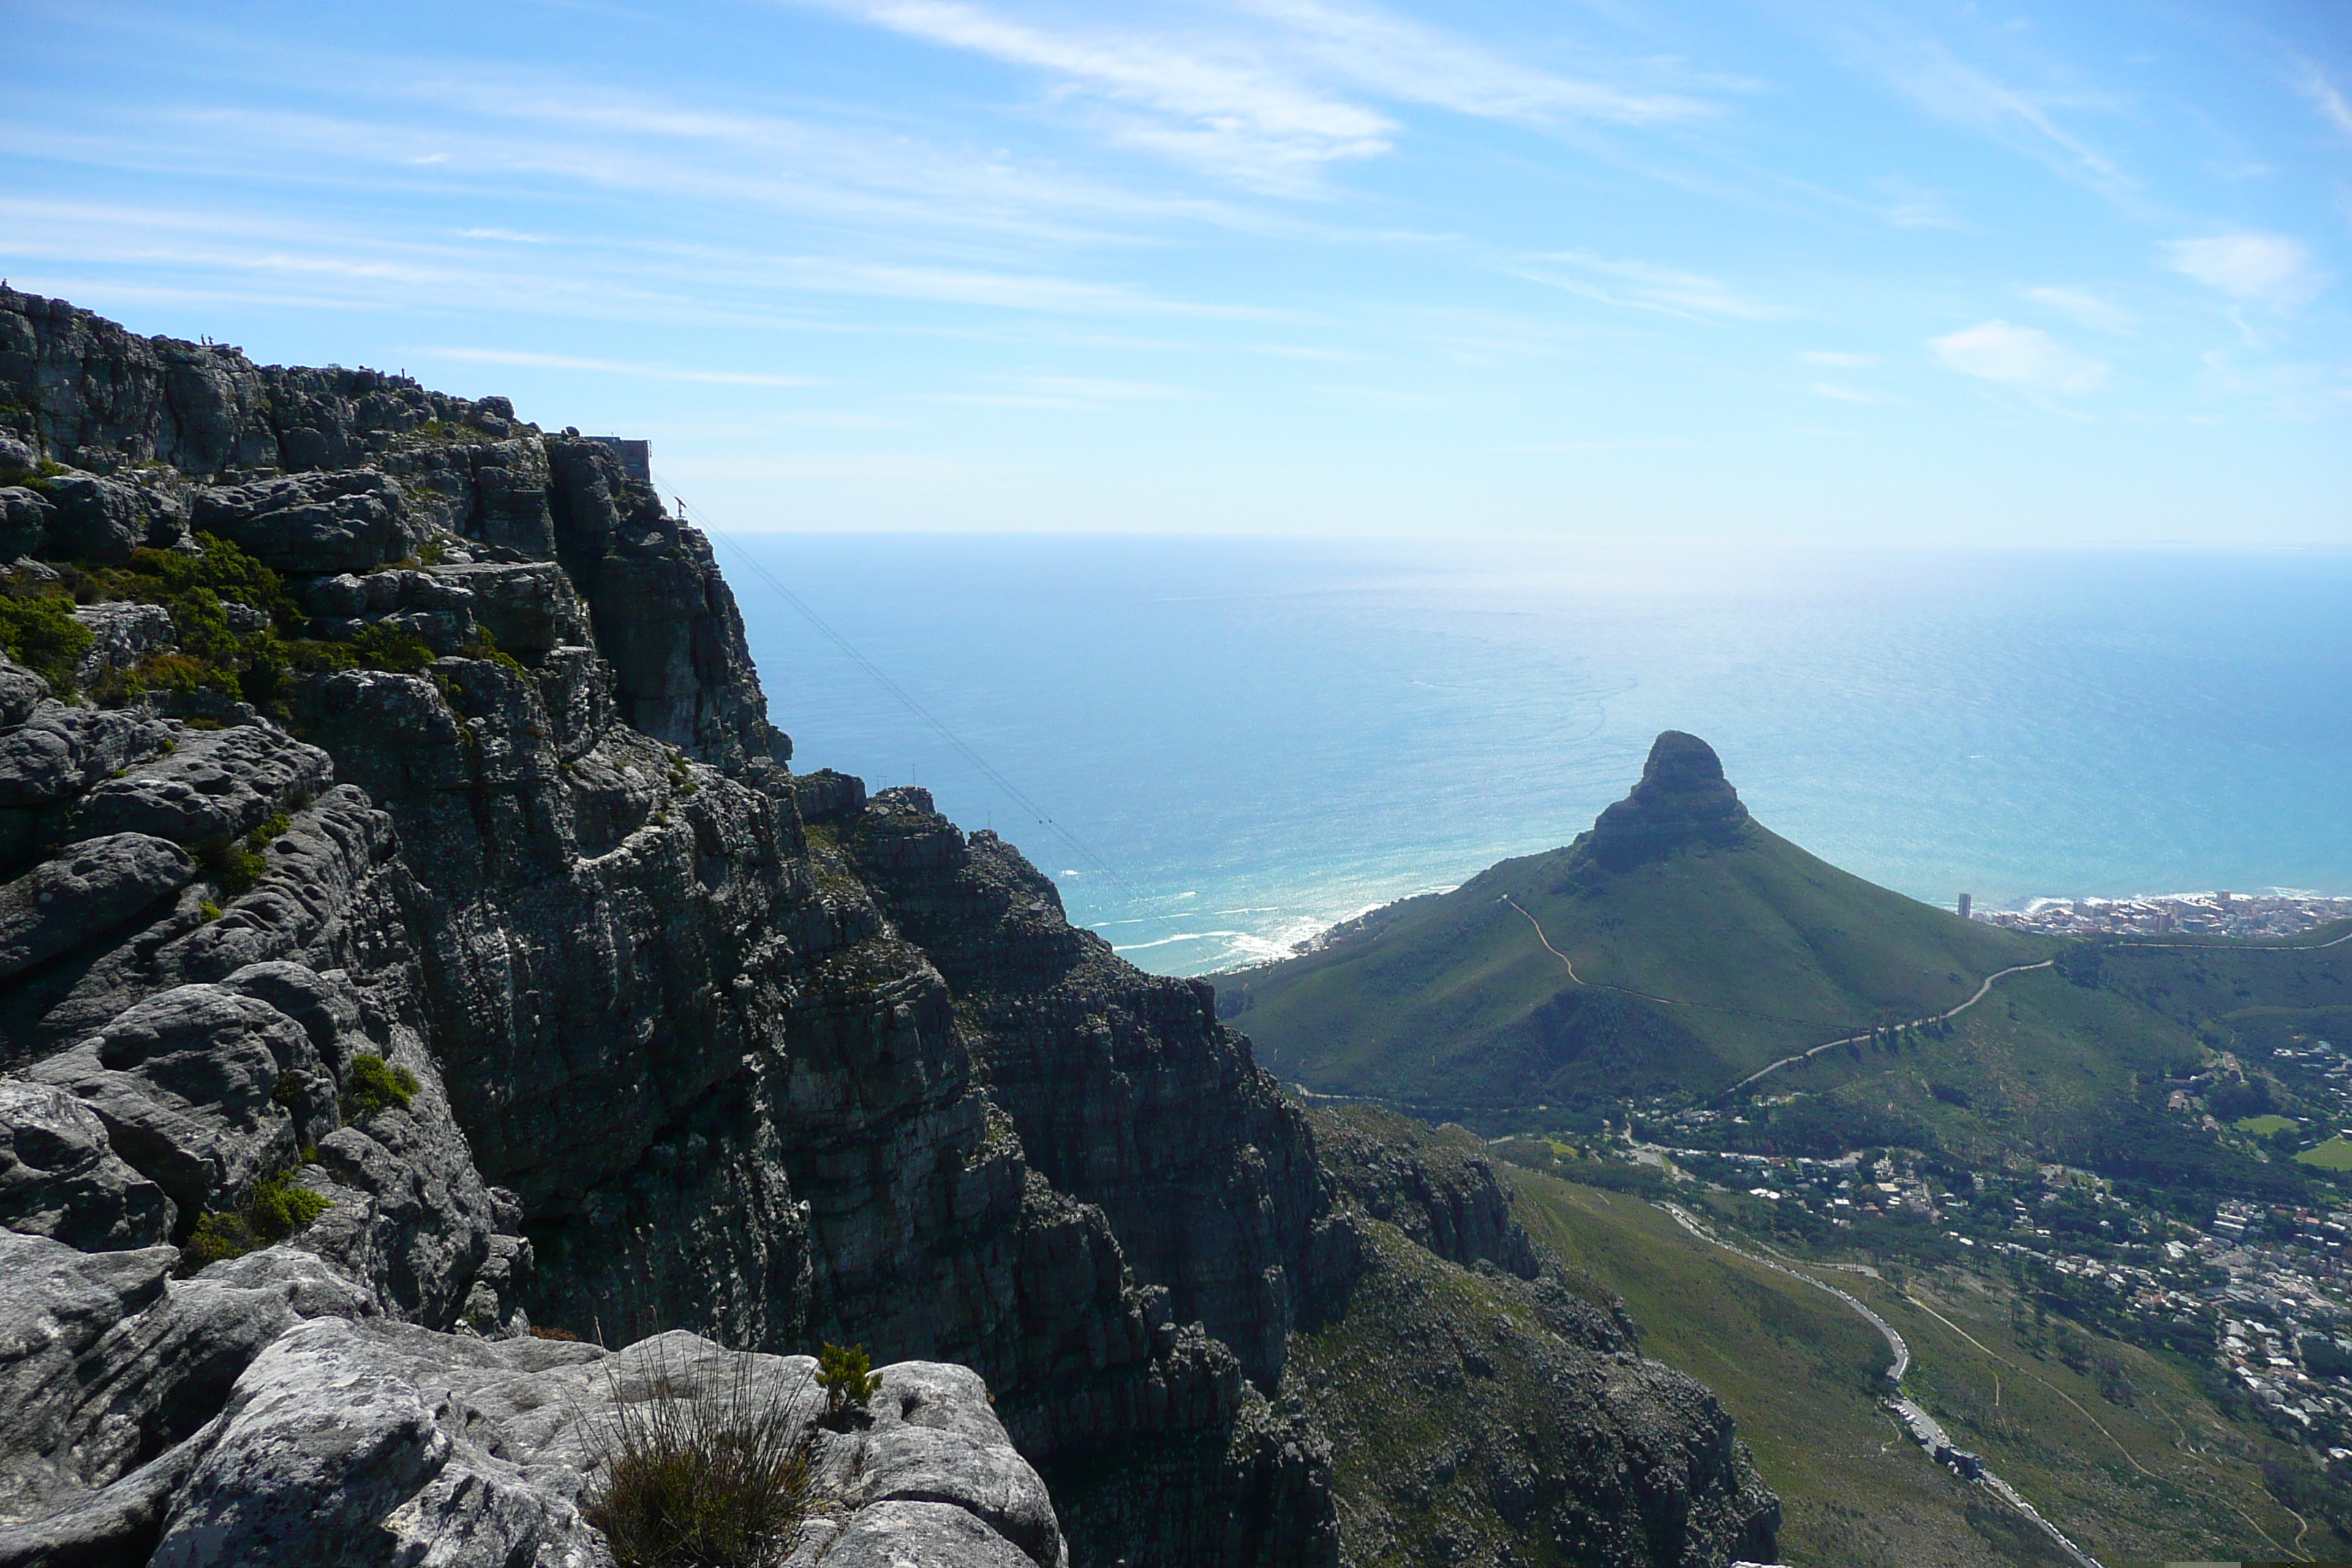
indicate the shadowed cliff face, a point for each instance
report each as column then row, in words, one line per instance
column 494, row 804
column 1681, row 799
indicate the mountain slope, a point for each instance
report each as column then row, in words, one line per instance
column 408, row 914
column 1704, row 946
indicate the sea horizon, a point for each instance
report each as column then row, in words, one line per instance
column 1236, row 742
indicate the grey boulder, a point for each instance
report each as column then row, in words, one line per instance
column 89, row 890
column 311, row 523
column 105, row 518
column 24, row 519
column 527, row 607
column 20, row 691
column 57, row 750
column 60, row 1178
column 217, row 784
column 123, row 632
column 105, row 1362
column 380, row 1442
column 186, row 1083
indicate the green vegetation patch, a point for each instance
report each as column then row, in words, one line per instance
column 275, row 1209
column 374, row 1084
column 1454, row 1004
column 2336, row 1154
column 2122, row 1447
column 38, row 629
column 2263, row 1126
column 218, row 651
column 701, row 1471
column 846, row 1375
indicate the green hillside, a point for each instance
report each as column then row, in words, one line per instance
column 2138, row 1464
column 1703, row 947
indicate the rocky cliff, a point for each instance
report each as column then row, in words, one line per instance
column 414, row 942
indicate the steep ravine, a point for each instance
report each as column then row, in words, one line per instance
column 395, row 742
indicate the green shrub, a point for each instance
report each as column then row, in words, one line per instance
column 212, row 655
column 481, row 645
column 846, row 1375
column 279, row 1207
column 374, row 1084
column 40, row 632
column 382, row 647
column 232, row 864
column 713, row 1474
column 275, row 1209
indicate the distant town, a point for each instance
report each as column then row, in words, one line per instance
column 2273, row 913
column 2264, row 1291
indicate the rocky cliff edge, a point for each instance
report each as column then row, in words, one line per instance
column 418, row 964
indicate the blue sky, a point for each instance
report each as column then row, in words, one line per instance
column 1770, row 268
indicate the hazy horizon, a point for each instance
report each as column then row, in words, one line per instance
column 1831, row 270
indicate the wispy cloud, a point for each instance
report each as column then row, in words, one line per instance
column 1929, row 72
column 359, row 266
column 1413, row 63
column 2268, row 270
column 2313, row 84
column 1637, row 285
column 1271, row 104
column 615, row 367
column 2084, row 307
column 2024, row 357
column 1905, row 206
column 1216, row 106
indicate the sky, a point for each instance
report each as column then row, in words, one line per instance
column 1765, row 269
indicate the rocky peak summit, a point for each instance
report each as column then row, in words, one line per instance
column 1683, row 798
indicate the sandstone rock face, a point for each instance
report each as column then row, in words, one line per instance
column 1440, row 1189
column 1682, row 799
column 60, row 1177
column 530, row 987
column 213, row 785
column 85, row 893
column 339, row 522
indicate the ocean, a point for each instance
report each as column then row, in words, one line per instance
column 1219, row 746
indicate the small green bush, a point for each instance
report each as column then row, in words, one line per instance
column 846, row 1375
column 279, row 1207
column 374, row 1084
column 40, row 632
column 699, row 1476
column 382, row 647
column 275, row 1209
column 232, row 864
column 481, row 645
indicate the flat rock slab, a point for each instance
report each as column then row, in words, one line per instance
column 350, row 1441
column 89, row 890
column 215, row 783
column 312, row 523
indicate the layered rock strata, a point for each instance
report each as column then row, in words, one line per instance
column 413, row 934
column 1683, row 797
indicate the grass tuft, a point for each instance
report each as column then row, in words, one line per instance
column 374, row 1084
column 705, row 1472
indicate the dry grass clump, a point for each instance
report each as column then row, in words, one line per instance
column 710, row 1469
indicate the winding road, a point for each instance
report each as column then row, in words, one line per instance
column 1983, row 991
column 1924, row 1428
